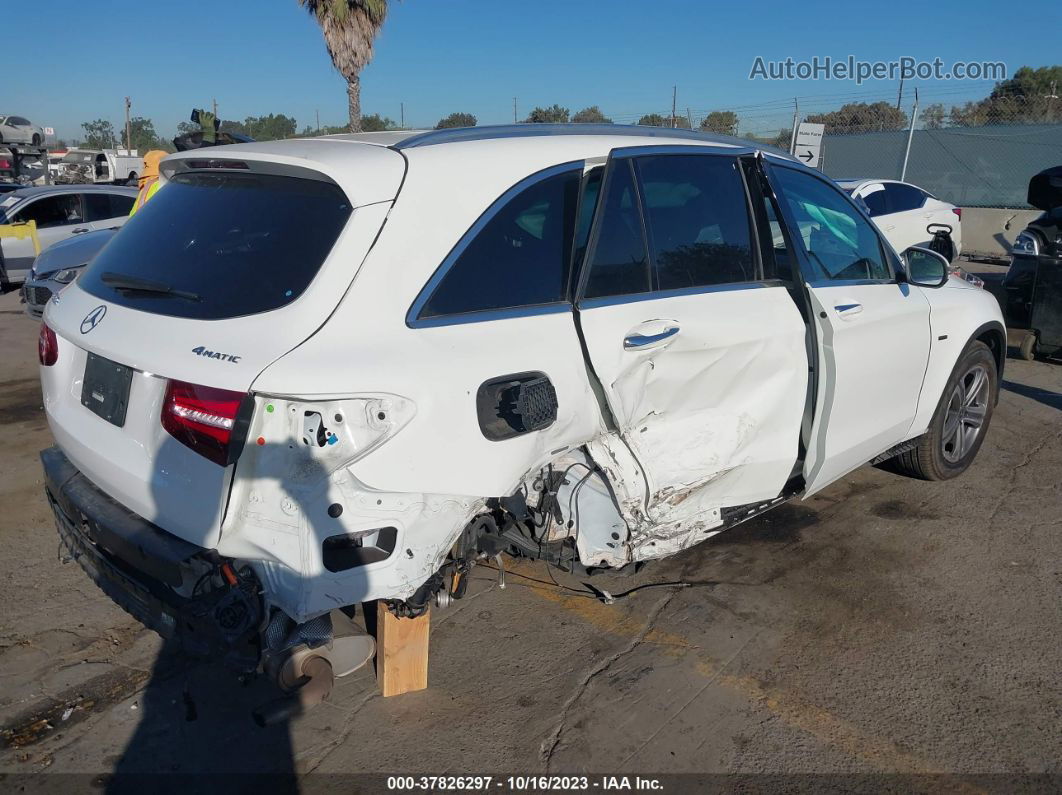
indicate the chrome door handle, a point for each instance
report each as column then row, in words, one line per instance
column 847, row 311
column 635, row 341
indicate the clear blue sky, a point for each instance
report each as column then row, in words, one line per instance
column 438, row 56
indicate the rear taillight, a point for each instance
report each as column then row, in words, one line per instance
column 202, row 418
column 47, row 346
column 957, row 211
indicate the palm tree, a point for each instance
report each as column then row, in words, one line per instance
column 349, row 28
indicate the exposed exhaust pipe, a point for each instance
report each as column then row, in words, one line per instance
column 306, row 676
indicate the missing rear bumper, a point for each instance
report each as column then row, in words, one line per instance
column 152, row 575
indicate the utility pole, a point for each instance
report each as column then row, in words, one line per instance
column 128, row 129
column 796, row 123
column 910, row 134
column 514, row 111
column 690, row 117
column 317, row 113
column 674, row 98
column 214, row 102
column 899, row 97
column 402, row 115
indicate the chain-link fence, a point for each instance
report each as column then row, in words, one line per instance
column 970, row 166
column 973, row 153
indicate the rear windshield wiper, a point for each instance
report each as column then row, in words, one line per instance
column 120, row 281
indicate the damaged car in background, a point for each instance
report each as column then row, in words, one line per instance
column 607, row 345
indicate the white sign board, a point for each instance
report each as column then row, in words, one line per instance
column 809, row 143
column 49, row 131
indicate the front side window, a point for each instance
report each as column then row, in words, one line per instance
column 519, row 254
column 52, row 211
column 223, row 244
column 840, row 242
column 697, row 220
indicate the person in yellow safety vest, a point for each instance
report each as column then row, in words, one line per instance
column 149, row 179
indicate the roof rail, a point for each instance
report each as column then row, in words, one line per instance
column 531, row 130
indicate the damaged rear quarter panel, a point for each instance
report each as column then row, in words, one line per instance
column 286, row 482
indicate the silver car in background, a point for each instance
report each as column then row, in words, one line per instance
column 60, row 212
column 59, row 265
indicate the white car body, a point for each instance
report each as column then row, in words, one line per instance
column 361, row 408
column 903, row 211
column 19, row 130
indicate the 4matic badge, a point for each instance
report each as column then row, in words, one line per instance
column 225, row 357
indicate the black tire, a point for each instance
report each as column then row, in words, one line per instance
column 1027, row 349
column 943, row 453
column 131, row 180
column 36, row 139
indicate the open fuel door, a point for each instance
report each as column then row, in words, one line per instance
column 692, row 333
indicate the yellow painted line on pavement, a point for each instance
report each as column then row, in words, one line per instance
column 795, row 711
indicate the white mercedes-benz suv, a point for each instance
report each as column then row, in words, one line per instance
column 311, row 373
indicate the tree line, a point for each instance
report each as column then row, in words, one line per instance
column 1031, row 96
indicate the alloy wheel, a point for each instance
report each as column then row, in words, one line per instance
column 965, row 415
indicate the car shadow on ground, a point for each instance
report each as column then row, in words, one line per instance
column 1045, row 396
column 196, row 727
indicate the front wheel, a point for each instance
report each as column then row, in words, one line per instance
column 36, row 140
column 959, row 424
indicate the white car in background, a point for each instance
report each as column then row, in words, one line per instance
column 903, row 211
column 19, row 130
column 592, row 344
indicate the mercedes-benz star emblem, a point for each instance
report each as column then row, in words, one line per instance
column 93, row 318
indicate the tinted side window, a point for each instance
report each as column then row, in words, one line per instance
column 697, row 219
column 587, row 205
column 876, row 202
column 904, row 197
column 520, row 256
column 120, row 204
column 52, row 211
column 97, row 206
column 774, row 251
column 620, row 262
column 840, row 242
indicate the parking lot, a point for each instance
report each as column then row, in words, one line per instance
column 884, row 625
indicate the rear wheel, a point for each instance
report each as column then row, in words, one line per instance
column 131, row 181
column 36, row 139
column 958, row 427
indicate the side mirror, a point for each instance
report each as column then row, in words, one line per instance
column 925, row 268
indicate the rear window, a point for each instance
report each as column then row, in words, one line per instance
column 226, row 244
